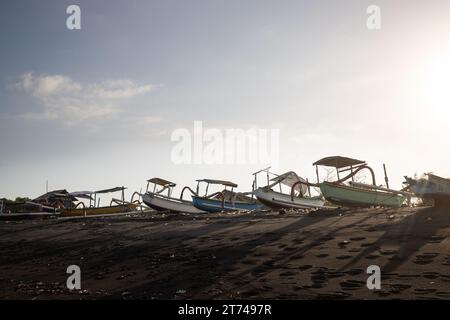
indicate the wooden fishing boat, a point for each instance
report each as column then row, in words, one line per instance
column 353, row 194
column 431, row 187
column 225, row 200
column 45, row 206
column 161, row 202
column 299, row 196
column 115, row 206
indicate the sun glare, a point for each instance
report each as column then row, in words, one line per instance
column 435, row 93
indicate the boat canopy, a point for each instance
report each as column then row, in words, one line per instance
column 289, row 179
column 54, row 196
column 87, row 194
column 111, row 190
column 222, row 182
column 432, row 176
column 82, row 194
column 162, row 182
column 338, row 162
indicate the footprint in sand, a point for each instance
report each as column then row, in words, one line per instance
column 343, row 257
column 253, row 293
column 424, row 291
column 336, row 274
column 437, row 239
column 249, row 261
column 443, row 294
column 388, row 251
column 333, row 295
column 400, row 287
column 287, row 274
column 352, row 285
column 447, row 261
column 408, row 276
column 430, row 275
column 344, row 243
column 354, row 272
column 357, row 238
column 305, row 267
column 383, row 293
column 319, row 279
column 367, row 244
column 268, row 263
column 425, row 258
column 260, row 254
column 445, row 278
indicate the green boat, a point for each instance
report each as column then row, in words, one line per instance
column 354, row 194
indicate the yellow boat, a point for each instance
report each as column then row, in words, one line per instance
column 116, row 206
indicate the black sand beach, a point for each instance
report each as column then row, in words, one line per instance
column 316, row 255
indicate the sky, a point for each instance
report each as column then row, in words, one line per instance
column 97, row 107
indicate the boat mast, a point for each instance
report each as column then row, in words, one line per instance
column 385, row 176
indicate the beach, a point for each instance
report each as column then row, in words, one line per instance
column 254, row 255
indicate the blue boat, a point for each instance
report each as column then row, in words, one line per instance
column 225, row 200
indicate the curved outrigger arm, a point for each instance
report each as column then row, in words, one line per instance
column 190, row 190
column 80, row 204
column 316, row 185
column 358, row 169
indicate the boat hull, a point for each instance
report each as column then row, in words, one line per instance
column 217, row 205
column 27, row 215
column 80, row 212
column 277, row 200
column 356, row 197
column 436, row 189
column 162, row 203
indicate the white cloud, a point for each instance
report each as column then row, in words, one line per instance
column 71, row 102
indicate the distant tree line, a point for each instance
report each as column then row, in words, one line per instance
column 16, row 201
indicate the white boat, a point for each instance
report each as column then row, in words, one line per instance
column 162, row 202
column 299, row 196
column 431, row 187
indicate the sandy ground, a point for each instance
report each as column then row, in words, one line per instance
column 316, row 255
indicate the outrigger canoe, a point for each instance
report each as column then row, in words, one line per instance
column 353, row 194
column 225, row 200
column 116, row 205
column 165, row 202
column 299, row 196
column 431, row 187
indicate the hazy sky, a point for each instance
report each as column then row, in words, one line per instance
column 95, row 108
